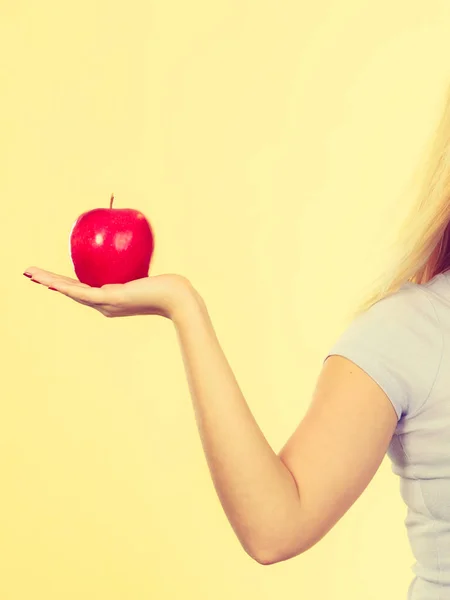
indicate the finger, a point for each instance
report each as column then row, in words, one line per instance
column 81, row 293
column 44, row 277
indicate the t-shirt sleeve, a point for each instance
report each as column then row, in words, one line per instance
column 398, row 342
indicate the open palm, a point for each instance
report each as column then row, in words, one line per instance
column 154, row 295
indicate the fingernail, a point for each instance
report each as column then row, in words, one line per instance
column 51, row 288
column 34, row 281
column 28, row 274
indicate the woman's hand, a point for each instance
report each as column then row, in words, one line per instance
column 157, row 295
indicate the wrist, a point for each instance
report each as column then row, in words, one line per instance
column 186, row 301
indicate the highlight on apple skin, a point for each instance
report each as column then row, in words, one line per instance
column 111, row 245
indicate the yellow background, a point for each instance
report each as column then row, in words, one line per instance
column 268, row 143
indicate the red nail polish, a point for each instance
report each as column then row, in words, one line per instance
column 34, row 281
column 50, row 288
column 28, row 274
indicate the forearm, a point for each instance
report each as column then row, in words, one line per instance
column 256, row 490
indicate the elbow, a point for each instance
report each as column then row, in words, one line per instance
column 262, row 557
column 274, row 555
column 267, row 560
column 272, row 559
column 272, row 549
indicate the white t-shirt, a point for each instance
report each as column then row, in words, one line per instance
column 403, row 343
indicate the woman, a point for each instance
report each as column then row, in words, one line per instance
column 384, row 388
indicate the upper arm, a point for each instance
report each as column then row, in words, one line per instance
column 337, row 448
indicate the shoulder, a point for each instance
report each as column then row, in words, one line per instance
column 398, row 341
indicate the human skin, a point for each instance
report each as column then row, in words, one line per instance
column 256, row 490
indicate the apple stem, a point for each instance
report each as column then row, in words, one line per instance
column 111, row 201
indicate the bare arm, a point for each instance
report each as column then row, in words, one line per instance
column 257, row 492
column 278, row 505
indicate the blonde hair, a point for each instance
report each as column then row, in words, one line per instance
column 421, row 250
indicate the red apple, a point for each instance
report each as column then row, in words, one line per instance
column 111, row 245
